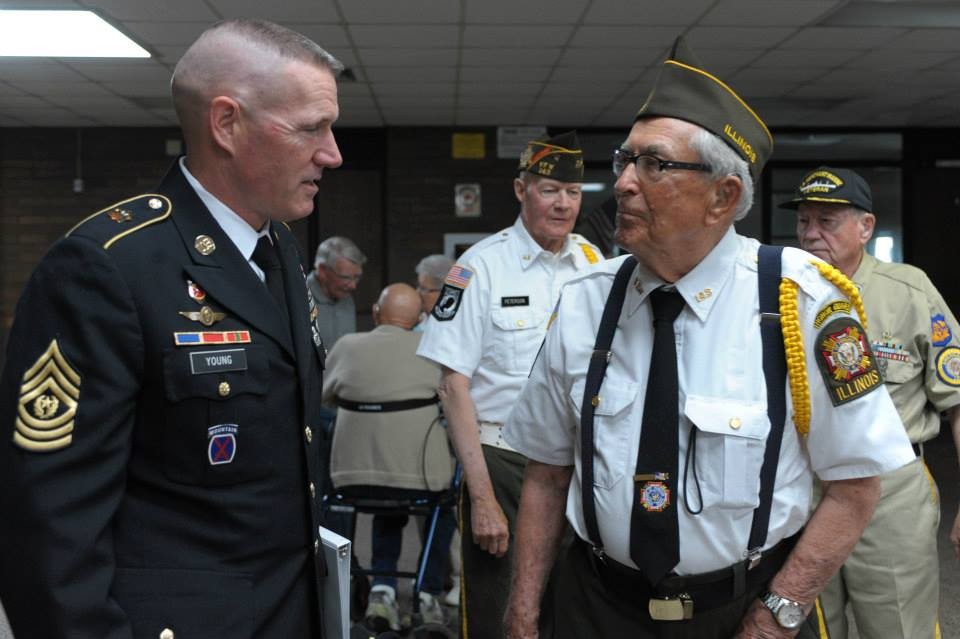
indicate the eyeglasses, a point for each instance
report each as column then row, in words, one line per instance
column 347, row 278
column 650, row 167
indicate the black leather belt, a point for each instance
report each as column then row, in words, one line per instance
column 701, row 592
column 386, row 407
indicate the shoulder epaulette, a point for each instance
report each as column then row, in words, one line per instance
column 589, row 253
column 123, row 218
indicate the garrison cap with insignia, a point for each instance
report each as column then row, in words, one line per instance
column 559, row 158
column 684, row 90
column 832, row 186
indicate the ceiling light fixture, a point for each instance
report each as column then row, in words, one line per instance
column 63, row 34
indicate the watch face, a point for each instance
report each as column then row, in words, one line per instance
column 790, row 615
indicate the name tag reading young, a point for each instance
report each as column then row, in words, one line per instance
column 202, row 362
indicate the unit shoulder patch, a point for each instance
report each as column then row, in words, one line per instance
column 948, row 366
column 119, row 220
column 838, row 306
column 846, row 362
column 47, row 405
column 940, row 333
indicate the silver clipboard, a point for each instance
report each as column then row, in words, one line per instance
column 336, row 586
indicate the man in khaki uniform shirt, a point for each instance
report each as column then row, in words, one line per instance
column 891, row 577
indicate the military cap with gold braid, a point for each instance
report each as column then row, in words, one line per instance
column 684, row 90
column 559, row 157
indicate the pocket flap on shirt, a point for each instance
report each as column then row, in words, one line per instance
column 517, row 319
column 613, row 397
column 725, row 417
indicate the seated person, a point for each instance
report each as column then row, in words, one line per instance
column 389, row 440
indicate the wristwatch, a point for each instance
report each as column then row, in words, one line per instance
column 789, row 614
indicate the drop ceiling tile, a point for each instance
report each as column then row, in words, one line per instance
column 925, row 40
column 647, row 12
column 507, row 116
column 9, row 89
column 120, row 70
column 756, row 77
column 286, row 11
column 167, row 10
column 526, row 12
column 86, row 103
column 393, row 103
column 127, row 118
column 14, row 69
column 329, row 36
column 727, row 60
column 736, row 37
column 800, row 58
column 409, row 88
column 494, row 102
column 393, row 12
column 440, row 117
column 352, row 89
column 841, row 37
column 178, row 33
column 890, row 59
column 623, row 56
column 411, row 74
column 769, row 13
column 140, row 89
column 495, row 74
column 599, row 74
column 168, row 54
column 370, row 119
column 511, row 88
column 431, row 36
column 620, row 36
column 510, row 57
column 6, row 120
column 531, row 36
column 48, row 116
column 11, row 103
column 399, row 57
column 599, row 91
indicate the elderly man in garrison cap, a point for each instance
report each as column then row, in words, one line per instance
column 484, row 330
column 686, row 395
column 890, row 578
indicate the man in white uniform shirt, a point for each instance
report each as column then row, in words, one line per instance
column 484, row 331
column 665, row 486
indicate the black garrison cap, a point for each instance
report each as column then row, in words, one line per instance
column 559, row 158
column 832, row 186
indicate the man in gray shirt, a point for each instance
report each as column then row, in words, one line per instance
column 338, row 268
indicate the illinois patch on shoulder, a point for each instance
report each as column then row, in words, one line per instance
column 48, row 402
column 448, row 303
column 940, row 333
column 846, row 362
column 948, row 366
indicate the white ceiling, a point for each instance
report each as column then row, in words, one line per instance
column 580, row 63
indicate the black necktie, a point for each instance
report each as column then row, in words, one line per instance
column 265, row 256
column 654, row 542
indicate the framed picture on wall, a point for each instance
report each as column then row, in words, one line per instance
column 455, row 244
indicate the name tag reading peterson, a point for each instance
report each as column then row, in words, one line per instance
column 202, row 362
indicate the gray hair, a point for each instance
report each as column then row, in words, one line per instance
column 336, row 247
column 435, row 266
column 240, row 56
column 724, row 161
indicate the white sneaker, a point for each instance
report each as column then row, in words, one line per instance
column 382, row 613
column 452, row 598
column 431, row 612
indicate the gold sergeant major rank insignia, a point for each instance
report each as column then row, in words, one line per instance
column 48, row 403
column 846, row 362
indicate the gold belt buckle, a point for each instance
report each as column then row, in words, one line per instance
column 677, row 608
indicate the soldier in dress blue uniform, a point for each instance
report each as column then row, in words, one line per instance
column 163, row 377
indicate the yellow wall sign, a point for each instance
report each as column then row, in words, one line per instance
column 469, row 146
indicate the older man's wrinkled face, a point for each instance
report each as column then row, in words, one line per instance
column 836, row 233
column 657, row 216
column 548, row 208
column 340, row 279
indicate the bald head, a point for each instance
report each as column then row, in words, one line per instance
column 239, row 58
column 398, row 305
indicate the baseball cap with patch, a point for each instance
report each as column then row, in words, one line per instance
column 559, row 158
column 684, row 90
column 832, row 186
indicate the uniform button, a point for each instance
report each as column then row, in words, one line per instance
column 520, row 323
column 166, row 633
column 308, row 433
column 313, row 491
column 223, row 389
column 735, row 423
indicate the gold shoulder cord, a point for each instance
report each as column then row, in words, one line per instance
column 793, row 339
